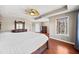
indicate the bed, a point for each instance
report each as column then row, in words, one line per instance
column 22, row 43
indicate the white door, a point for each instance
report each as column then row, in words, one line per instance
column 37, row 27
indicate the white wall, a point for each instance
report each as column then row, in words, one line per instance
column 72, row 27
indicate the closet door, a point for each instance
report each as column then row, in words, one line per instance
column 77, row 39
column 37, row 27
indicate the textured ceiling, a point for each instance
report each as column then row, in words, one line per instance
column 19, row 10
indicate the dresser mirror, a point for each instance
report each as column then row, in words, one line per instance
column 19, row 25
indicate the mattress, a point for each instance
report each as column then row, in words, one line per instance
column 21, row 43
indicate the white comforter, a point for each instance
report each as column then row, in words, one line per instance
column 20, row 43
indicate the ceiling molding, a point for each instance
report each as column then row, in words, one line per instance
column 52, row 12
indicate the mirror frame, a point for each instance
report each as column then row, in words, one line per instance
column 20, row 22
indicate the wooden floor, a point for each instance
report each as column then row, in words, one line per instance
column 57, row 47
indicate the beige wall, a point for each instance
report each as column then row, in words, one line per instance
column 7, row 23
column 72, row 27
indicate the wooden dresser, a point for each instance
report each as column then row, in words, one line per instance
column 20, row 30
column 44, row 29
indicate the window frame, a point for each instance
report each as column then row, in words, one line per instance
column 67, row 28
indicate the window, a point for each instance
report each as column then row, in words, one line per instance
column 62, row 26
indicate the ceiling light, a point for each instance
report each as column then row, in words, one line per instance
column 32, row 12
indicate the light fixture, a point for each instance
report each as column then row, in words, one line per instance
column 32, row 12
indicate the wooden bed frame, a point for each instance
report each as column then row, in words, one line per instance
column 41, row 49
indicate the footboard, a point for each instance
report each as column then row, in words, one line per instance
column 41, row 49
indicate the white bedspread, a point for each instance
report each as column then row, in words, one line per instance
column 20, row 43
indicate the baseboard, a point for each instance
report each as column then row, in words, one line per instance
column 63, row 41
